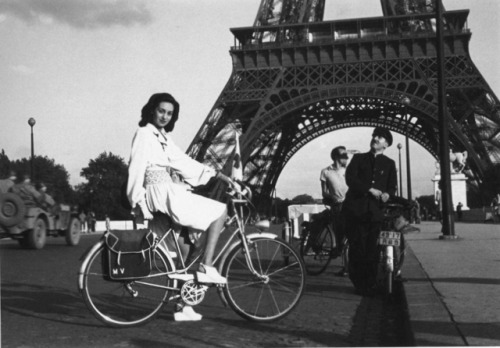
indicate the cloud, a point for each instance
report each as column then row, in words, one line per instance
column 85, row 14
column 22, row 69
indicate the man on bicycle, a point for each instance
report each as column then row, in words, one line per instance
column 372, row 179
column 333, row 189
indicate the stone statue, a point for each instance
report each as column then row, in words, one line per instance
column 457, row 163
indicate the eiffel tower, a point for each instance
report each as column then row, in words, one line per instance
column 296, row 77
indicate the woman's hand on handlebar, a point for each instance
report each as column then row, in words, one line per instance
column 235, row 186
column 225, row 178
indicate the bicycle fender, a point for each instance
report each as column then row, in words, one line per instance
column 250, row 237
column 86, row 259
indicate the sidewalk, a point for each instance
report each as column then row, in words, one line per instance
column 453, row 287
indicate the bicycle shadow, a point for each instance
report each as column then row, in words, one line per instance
column 44, row 302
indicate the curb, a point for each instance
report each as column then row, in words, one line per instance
column 430, row 322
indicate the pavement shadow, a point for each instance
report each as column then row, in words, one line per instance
column 487, row 330
column 382, row 320
column 45, row 302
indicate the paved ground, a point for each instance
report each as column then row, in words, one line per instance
column 41, row 307
column 453, row 288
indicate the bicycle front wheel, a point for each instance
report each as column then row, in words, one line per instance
column 126, row 303
column 316, row 250
column 276, row 287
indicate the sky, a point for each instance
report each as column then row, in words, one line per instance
column 84, row 69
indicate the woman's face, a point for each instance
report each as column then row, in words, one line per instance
column 163, row 114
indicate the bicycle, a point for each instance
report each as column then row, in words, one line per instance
column 392, row 244
column 317, row 242
column 265, row 276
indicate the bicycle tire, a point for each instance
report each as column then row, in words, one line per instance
column 278, row 291
column 113, row 302
column 317, row 253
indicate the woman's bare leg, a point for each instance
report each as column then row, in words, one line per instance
column 212, row 237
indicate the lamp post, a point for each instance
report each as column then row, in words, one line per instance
column 400, row 174
column 32, row 122
column 406, row 102
column 444, row 146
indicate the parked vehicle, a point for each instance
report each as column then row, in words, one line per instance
column 30, row 226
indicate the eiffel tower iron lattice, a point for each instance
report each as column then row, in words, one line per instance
column 296, row 77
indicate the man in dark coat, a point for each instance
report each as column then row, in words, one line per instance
column 372, row 180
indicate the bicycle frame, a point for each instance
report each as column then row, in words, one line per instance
column 219, row 259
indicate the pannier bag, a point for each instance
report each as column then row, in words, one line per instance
column 128, row 254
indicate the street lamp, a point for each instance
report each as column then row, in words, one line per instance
column 444, row 146
column 32, row 122
column 400, row 174
column 406, row 102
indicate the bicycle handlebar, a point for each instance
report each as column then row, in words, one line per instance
column 239, row 188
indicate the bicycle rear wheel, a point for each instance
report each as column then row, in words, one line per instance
column 126, row 303
column 316, row 250
column 275, row 290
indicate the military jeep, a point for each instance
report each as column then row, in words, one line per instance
column 31, row 225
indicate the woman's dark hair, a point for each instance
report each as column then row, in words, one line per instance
column 152, row 104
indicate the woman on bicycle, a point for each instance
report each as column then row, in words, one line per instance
column 152, row 187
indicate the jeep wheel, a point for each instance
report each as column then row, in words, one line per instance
column 12, row 209
column 36, row 237
column 73, row 232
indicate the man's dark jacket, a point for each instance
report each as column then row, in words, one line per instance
column 367, row 171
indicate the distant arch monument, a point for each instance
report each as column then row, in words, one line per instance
column 296, row 77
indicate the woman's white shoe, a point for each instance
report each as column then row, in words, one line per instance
column 187, row 313
column 210, row 276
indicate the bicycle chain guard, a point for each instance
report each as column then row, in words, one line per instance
column 193, row 293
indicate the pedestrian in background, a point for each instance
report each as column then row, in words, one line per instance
column 7, row 183
column 92, row 220
column 47, row 202
column 333, row 189
column 459, row 211
column 83, row 221
column 372, row 180
column 28, row 193
column 495, row 204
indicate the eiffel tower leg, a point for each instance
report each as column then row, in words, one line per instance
column 282, row 94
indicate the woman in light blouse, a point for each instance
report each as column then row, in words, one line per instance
column 155, row 162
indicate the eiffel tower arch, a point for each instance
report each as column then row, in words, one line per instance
column 296, row 77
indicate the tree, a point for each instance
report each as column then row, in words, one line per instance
column 102, row 193
column 4, row 165
column 303, row 199
column 46, row 171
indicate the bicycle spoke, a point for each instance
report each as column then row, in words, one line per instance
column 275, row 291
column 126, row 303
